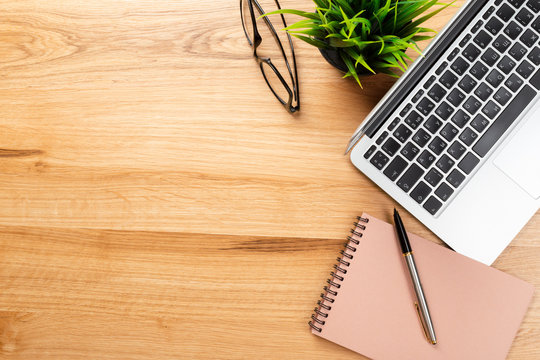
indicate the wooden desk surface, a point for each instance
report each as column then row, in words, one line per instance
column 156, row 202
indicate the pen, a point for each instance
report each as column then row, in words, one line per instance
column 421, row 306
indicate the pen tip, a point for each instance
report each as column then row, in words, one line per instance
column 395, row 211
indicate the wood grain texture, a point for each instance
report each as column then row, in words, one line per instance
column 156, row 202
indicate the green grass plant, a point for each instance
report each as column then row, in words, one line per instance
column 369, row 36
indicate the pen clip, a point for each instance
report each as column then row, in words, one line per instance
column 422, row 322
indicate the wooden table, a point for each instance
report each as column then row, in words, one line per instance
column 156, row 202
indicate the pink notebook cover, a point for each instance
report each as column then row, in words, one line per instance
column 476, row 309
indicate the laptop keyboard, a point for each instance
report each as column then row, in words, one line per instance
column 457, row 115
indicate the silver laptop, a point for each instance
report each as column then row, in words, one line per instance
column 456, row 141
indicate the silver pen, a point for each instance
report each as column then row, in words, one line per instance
column 422, row 306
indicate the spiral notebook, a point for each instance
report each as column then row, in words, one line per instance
column 368, row 305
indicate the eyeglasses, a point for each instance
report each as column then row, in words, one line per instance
column 272, row 56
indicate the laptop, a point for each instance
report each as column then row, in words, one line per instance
column 456, row 140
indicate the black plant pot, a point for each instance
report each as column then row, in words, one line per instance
column 332, row 56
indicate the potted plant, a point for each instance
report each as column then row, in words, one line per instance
column 365, row 36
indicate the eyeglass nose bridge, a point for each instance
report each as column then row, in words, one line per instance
column 257, row 40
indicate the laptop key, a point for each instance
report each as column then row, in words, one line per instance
column 514, row 82
column 445, row 163
column 490, row 57
column 471, row 52
column 461, row 118
column 410, row 177
column 477, row 26
column 420, row 192
column 437, row 92
column 467, row 83
column 525, row 69
column 370, row 151
column 501, row 43
column 478, row 70
column 449, row 132
column 444, row 110
column 535, row 80
column 506, row 64
column 534, row 5
column 402, row 133
column 456, row 150
column 536, row 24
column 488, row 12
column 379, row 160
column 393, row 124
column 472, row 105
column 432, row 205
column 430, row 81
column 455, row 178
column 504, row 121
column 455, row 97
column 444, row 191
column 448, row 79
column 405, row 110
column 433, row 124
column 479, row 123
column 502, row 96
column 381, row 138
column 495, row 78
column 517, row 51
column 395, row 168
column 468, row 136
column 409, row 151
column 424, row 106
column 421, row 137
column 483, row 91
column 468, row 163
column 426, row 159
column 453, row 54
column 482, row 39
column 516, row 3
column 465, row 39
column 418, row 95
column 494, row 25
column 491, row 109
column 433, row 177
column 391, row 146
column 414, row 119
column 524, row 17
column 441, row 68
column 534, row 56
column 529, row 37
column 513, row 30
column 460, row 65
column 437, row 145
column 505, row 12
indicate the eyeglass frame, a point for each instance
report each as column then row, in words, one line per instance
column 257, row 39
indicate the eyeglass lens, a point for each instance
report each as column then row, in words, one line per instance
column 247, row 21
column 274, row 45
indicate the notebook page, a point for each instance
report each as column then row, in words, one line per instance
column 476, row 309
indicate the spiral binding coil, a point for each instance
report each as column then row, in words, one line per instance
column 337, row 277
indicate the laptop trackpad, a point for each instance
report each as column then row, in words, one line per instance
column 520, row 158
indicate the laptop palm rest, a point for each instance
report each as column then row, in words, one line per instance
column 520, row 157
